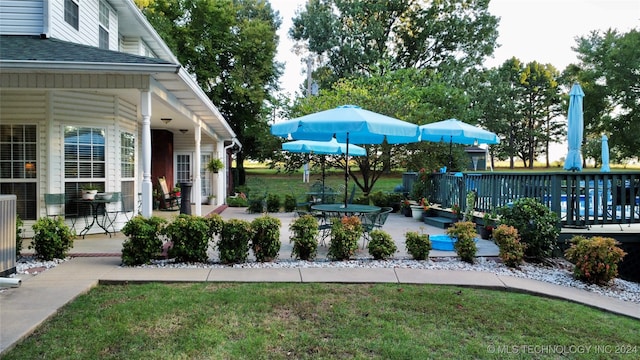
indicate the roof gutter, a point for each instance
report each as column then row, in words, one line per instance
column 76, row 67
column 234, row 141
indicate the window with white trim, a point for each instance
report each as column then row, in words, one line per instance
column 128, row 169
column 72, row 13
column 103, row 26
column 18, row 167
column 84, row 160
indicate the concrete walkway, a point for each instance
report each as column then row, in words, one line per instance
column 97, row 260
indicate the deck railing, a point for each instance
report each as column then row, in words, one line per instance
column 579, row 198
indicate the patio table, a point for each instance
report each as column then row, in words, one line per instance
column 93, row 207
column 349, row 210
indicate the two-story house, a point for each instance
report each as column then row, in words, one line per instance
column 90, row 94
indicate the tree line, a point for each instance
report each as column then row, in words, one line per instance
column 416, row 60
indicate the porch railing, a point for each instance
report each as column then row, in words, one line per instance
column 579, row 198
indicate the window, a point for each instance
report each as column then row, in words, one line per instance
column 205, row 177
column 103, row 27
column 127, row 169
column 84, row 161
column 18, row 167
column 72, row 13
column 103, row 38
column 84, row 153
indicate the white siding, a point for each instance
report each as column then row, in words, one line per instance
column 30, row 107
column 24, row 17
column 87, row 33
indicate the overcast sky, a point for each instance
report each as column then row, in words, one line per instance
column 540, row 30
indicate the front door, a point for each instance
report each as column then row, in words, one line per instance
column 184, row 168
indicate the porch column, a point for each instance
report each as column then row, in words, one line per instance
column 221, row 180
column 197, row 182
column 147, row 186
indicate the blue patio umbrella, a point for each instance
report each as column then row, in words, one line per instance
column 349, row 124
column 575, row 124
column 332, row 147
column 456, row 131
column 605, row 154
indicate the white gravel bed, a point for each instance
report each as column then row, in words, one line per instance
column 559, row 274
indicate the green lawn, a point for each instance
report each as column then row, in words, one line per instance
column 315, row 321
column 262, row 180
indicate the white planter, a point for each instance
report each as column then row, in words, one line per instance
column 416, row 212
column 89, row 194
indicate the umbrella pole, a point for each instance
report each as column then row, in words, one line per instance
column 450, row 154
column 346, row 172
column 322, row 162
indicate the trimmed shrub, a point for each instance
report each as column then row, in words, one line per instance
column 290, row 203
column 537, row 225
column 465, row 246
column 596, row 259
column 233, row 245
column 215, row 224
column 418, row 245
column 381, row 245
column 257, row 204
column 143, row 239
column 273, row 203
column 189, row 235
column 304, row 231
column 52, row 238
column 511, row 249
column 344, row 238
column 265, row 242
column 237, row 201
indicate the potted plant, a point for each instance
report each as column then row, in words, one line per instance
column 404, row 207
column 176, row 190
column 89, row 191
column 214, row 165
column 488, row 224
column 211, row 199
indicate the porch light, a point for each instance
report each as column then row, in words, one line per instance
column 166, row 121
column 184, row 131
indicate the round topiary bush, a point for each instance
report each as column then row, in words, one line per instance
column 265, row 242
column 52, row 238
column 143, row 241
column 189, row 235
column 508, row 241
column 465, row 246
column 304, row 231
column 233, row 245
column 381, row 245
column 537, row 225
column 418, row 245
column 596, row 259
column 344, row 238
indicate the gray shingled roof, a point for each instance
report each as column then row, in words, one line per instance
column 33, row 48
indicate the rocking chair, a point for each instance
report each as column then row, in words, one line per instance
column 168, row 200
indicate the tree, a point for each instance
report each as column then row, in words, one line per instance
column 362, row 38
column 521, row 103
column 230, row 47
column 609, row 68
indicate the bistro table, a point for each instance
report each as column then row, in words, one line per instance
column 330, row 211
column 93, row 207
